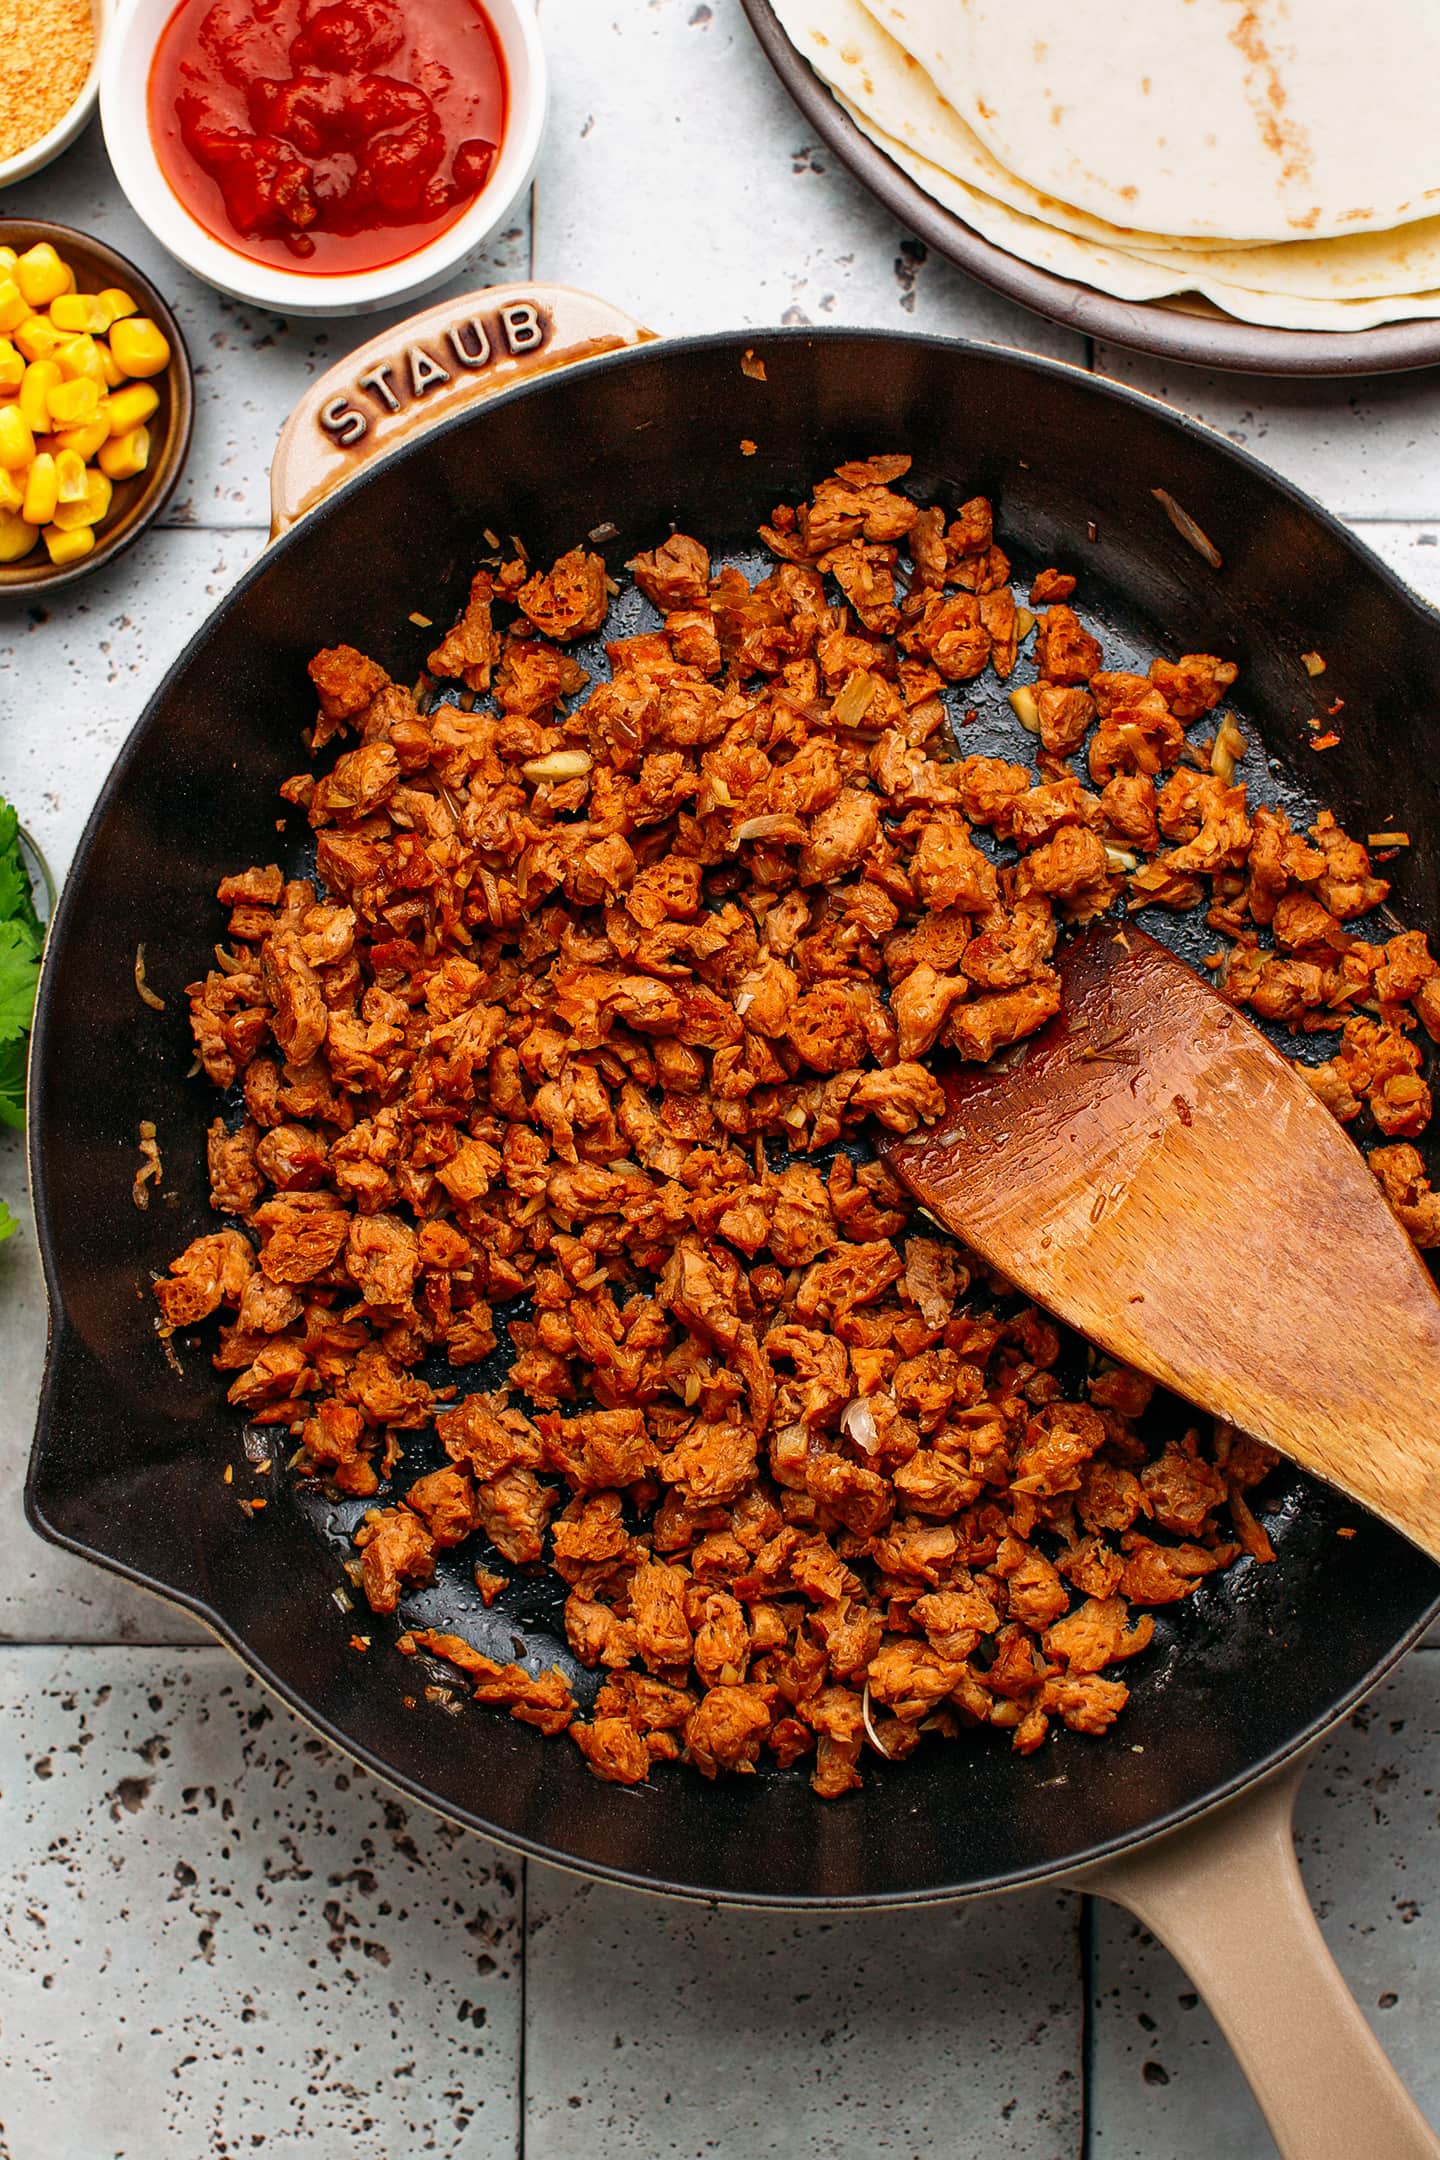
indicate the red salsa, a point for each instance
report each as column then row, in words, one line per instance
column 327, row 135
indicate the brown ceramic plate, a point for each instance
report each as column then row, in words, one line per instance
column 1186, row 329
column 139, row 501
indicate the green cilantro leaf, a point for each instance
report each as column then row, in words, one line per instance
column 21, row 939
column 16, row 899
column 19, row 973
column 12, row 1082
column 8, row 1224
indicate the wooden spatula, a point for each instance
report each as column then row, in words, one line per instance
column 1152, row 1172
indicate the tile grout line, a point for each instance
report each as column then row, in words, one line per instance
column 1087, row 2026
column 521, row 2064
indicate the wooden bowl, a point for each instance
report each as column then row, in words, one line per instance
column 138, row 502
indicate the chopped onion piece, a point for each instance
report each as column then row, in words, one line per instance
column 1187, row 528
column 558, row 765
column 156, row 1004
column 1025, row 709
column 858, row 1422
column 855, row 699
column 1227, row 748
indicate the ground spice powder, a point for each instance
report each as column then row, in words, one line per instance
column 46, row 47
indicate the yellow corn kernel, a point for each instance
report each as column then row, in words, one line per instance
column 79, row 356
column 14, row 307
column 71, row 476
column 16, row 537
column 12, row 366
column 126, row 455
column 67, row 545
column 41, row 275
column 79, row 311
column 91, row 509
column 72, row 404
column 110, row 367
column 40, row 378
column 132, row 407
column 42, row 491
column 17, row 443
column 139, row 346
column 12, row 494
column 37, row 337
column 84, row 441
column 118, row 302
column 8, row 260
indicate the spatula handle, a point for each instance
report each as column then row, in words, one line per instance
column 1226, row 1898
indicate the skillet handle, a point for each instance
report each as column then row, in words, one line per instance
column 1226, row 1898
column 426, row 368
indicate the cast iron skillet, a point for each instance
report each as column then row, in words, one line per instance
column 129, row 1455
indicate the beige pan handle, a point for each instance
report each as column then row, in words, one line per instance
column 1226, row 1898
column 426, row 368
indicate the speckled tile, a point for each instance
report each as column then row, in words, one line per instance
column 1410, row 547
column 250, row 367
column 680, row 181
column 217, row 1937
column 1162, row 2079
column 77, row 671
column 1364, row 445
column 664, row 2031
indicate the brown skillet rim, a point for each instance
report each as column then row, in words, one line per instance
column 34, row 576
column 60, row 1325
column 1156, row 327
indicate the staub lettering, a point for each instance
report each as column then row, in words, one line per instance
column 417, row 371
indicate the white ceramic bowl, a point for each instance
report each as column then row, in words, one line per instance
column 128, row 52
column 60, row 137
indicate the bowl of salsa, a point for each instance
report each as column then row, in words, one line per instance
column 324, row 156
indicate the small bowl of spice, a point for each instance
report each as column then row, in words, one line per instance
column 49, row 80
column 323, row 159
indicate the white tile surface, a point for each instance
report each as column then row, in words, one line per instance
column 662, row 2031
column 79, row 670
column 1364, row 445
column 680, row 181
column 1162, row 2079
column 217, row 1937
column 1412, row 550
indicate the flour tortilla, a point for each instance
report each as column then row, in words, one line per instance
column 1264, row 119
column 852, row 51
column 877, row 78
column 1354, row 266
column 1128, row 276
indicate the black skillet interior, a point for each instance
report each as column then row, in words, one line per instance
column 129, row 1458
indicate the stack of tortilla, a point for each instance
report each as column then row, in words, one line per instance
column 1279, row 157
